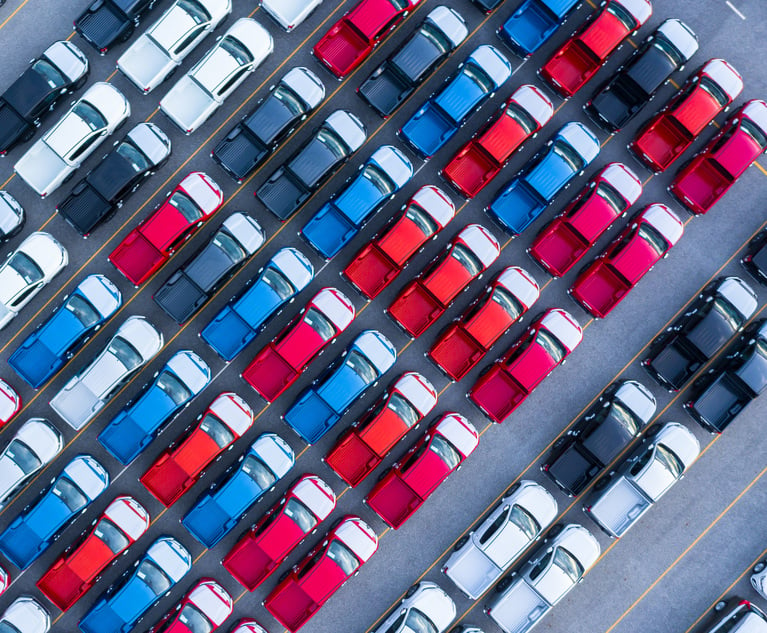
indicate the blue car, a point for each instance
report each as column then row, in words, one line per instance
column 443, row 114
column 123, row 605
column 533, row 23
column 52, row 344
column 549, row 172
column 40, row 524
column 130, row 432
column 219, row 509
column 323, row 403
column 343, row 216
column 248, row 312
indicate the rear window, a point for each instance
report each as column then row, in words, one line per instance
column 185, row 206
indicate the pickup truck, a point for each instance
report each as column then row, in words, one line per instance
column 646, row 240
column 707, row 93
column 620, row 499
column 362, row 447
column 107, row 22
column 421, row 302
column 411, row 481
column 284, row 359
column 502, row 303
column 701, row 183
column 534, row 23
column 564, row 241
column 379, row 262
column 319, row 407
column 487, row 152
column 564, row 157
column 444, row 113
column 735, row 615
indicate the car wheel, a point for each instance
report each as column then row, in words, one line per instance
column 127, row 35
column 720, row 605
column 759, row 567
column 460, row 543
column 411, row 592
column 653, row 430
column 602, row 483
column 504, row 584
column 28, row 135
column 555, row 531
column 80, row 82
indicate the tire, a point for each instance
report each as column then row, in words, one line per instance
column 555, row 531
column 653, row 430
column 411, row 591
column 127, row 35
column 504, row 584
column 460, row 543
column 602, row 483
column 759, row 567
column 720, row 605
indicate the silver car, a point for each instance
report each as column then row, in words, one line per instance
column 25, row 615
column 425, row 607
column 289, row 13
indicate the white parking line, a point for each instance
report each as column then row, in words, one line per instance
column 732, row 6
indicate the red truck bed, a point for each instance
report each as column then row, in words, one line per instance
column 167, row 483
column 600, row 290
column 393, row 500
column 371, row 271
column 341, row 48
column 415, row 309
column 559, row 250
column 471, row 171
column 136, row 258
column 456, row 352
column 248, row 563
column 702, row 185
column 497, row 394
column 661, row 144
column 269, row 374
column 352, row 459
column 61, row 586
column 290, row 605
column 570, row 70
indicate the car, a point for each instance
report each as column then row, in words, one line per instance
column 26, row 615
column 757, row 578
column 248, row 626
column 710, row 91
column 108, row 22
column 267, row 543
column 82, row 313
column 289, row 13
column 519, row 119
column 466, row 341
column 246, row 314
column 133, row 345
column 525, row 596
column 260, row 132
column 646, row 240
column 62, row 149
column 161, row 49
column 31, row 448
column 365, row 444
column 718, row 313
column 600, row 434
column 352, row 39
column 10, row 404
column 206, row 605
column 588, row 48
column 322, row 572
column 279, row 364
column 533, row 24
column 564, row 241
column 5, row 580
column 425, row 606
column 12, row 217
column 755, row 259
column 422, row 301
column 147, row 247
column 340, row 219
column 227, row 500
column 27, row 270
column 121, row 607
column 480, row 557
column 140, row 421
column 79, row 567
column 663, row 53
column 320, row 406
column 389, row 85
column 411, row 480
column 735, row 615
column 94, row 199
column 312, row 164
column 525, row 197
column 60, row 70
column 546, row 344
column 475, row 81
column 702, row 182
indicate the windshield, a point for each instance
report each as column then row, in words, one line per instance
column 612, row 197
column 193, row 620
column 479, row 77
column 446, row 452
column 524, row 521
column 229, row 246
column 195, row 10
column 568, row 564
column 569, row 155
column 277, row 282
column 48, row 72
column 400, row 5
column 423, row 221
column 412, row 620
column 70, row 495
column 153, row 577
column 258, row 472
column 125, row 353
column 236, row 50
column 315, row 320
column 7, row 627
column 26, row 268
column 173, row 388
column 90, row 116
column 712, row 88
column 670, row 51
column 467, row 259
column 216, row 430
column 436, row 37
column 285, row 96
column 624, row 16
column 185, row 206
column 553, row 347
column 624, row 417
column 725, row 309
column 362, row 367
column 380, row 180
column 137, row 160
column 507, row 301
column 109, row 534
column 23, row 457
column 653, row 238
column 670, row 461
column 300, row 515
column 754, row 131
column 332, row 142
column 404, row 410
column 83, row 311
column 526, row 122
column 342, row 556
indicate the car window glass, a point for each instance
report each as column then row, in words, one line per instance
column 507, row 301
column 669, row 51
column 70, row 495
column 404, row 410
column 109, row 534
column 418, row 622
column 526, row 122
column 277, row 282
column 623, row 15
column 568, row 564
column 536, row 571
column 495, row 526
column 754, row 131
column 268, row 520
column 553, row 347
column 284, row 95
column 310, row 564
column 82, row 310
column 519, row 350
column 92, row 117
column 22, row 456
column 7, row 627
column 400, row 5
column 330, row 140
column 317, row 321
column 468, row 260
column 176, row 390
column 446, row 452
column 361, row 366
column 185, row 206
column 258, row 472
column 50, row 73
column 188, row 40
column 380, row 180
column 650, row 235
column 612, row 197
column 153, row 577
column 234, row 77
column 436, row 37
column 640, row 463
column 422, row 220
column 479, row 77
column 84, row 146
column 396, row 626
column 624, row 417
column 236, row 50
column 569, row 155
column 300, row 515
column 216, row 430
column 137, row 160
column 524, row 521
column 672, row 463
column 726, row 310
column 230, row 246
column 125, row 352
column 22, row 296
column 26, row 267
column 193, row 620
column 343, row 557
column 712, row 88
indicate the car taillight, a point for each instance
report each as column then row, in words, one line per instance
column 103, row 50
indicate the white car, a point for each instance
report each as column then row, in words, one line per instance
column 5, row 580
column 200, row 92
column 25, row 615
column 63, row 148
column 133, row 345
column 289, row 13
column 153, row 57
column 37, row 260
column 425, row 607
column 248, row 626
column 35, row 444
column 10, row 403
column 11, row 216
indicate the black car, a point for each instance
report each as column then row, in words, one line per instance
column 11, row 216
column 107, row 22
column 260, row 132
column 598, row 437
column 104, row 189
column 755, row 260
column 238, row 237
column 316, row 160
column 718, row 314
column 635, row 83
column 413, row 62
column 60, row 70
column 487, row 6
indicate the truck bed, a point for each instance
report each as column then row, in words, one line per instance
column 102, row 26
column 559, row 250
column 35, row 364
column 269, row 373
column 167, row 482
column 498, row 395
column 472, row 171
column 526, row 34
column 428, row 130
column 701, row 187
column 342, row 49
column 572, row 470
column 415, row 309
column 720, row 403
column 75, row 406
column 517, row 207
column 239, row 152
column 518, row 608
column 282, row 195
column 228, row 334
column 84, row 208
column 12, row 126
column 662, row 144
column 290, row 605
column 352, row 459
column 61, row 586
column 310, row 416
column 601, row 290
column 181, row 299
column 248, row 563
column 619, row 507
column 329, row 230
column 136, row 258
column 393, row 500
column 568, row 72
column 456, row 352
column 371, row 271
column 384, row 92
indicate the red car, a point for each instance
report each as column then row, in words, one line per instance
column 709, row 175
column 368, row 441
column 564, row 241
column 267, row 544
column 504, row 385
column 281, row 362
column 322, row 572
column 641, row 245
column 670, row 132
column 412, row 480
column 466, row 341
column 180, row 465
column 578, row 60
column 378, row 263
column 479, row 161
column 10, row 403
column 425, row 299
column 78, row 568
column 203, row 608
column 351, row 40
column 147, row 247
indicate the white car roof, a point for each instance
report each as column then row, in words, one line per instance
column 581, row 543
column 394, row 163
column 233, row 411
column 450, row 23
column 203, row 189
column 756, row 111
column 564, row 327
column 109, row 101
column 192, row 370
column 101, row 293
column 432, row 601
column 287, row 12
column 306, row 85
column 679, row 440
column 11, row 212
column 274, row 452
column 28, row 615
column 171, row 556
column 46, row 251
column 173, row 26
column 581, row 139
column 725, row 76
column 377, row 349
column 253, row 36
column 67, row 58
column 665, row 221
column 493, row 62
column 128, row 515
column 41, row 437
column 212, row 600
column 358, row 536
column 88, row 475
column 521, row 284
column 637, row 398
column 151, row 140
column 534, row 102
column 623, row 180
column 348, row 127
column 295, row 266
column 536, row 500
column 335, row 305
column 436, row 203
column 418, row 391
column 681, row 36
column 481, row 242
column 739, row 294
column 142, row 335
column 246, row 230
column 316, row 495
column 640, row 9
column 459, row 432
